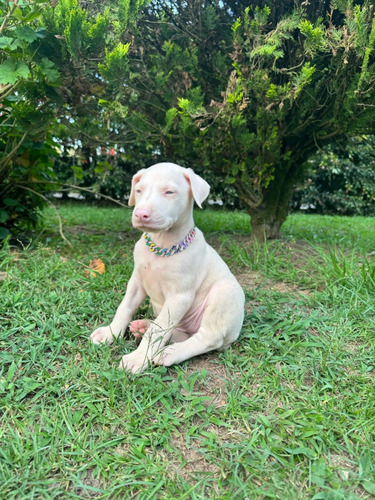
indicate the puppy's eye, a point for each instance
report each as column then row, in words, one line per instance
column 169, row 192
column 138, row 191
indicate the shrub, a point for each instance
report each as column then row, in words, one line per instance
column 341, row 180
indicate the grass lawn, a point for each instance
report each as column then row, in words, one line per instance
column 287, row 412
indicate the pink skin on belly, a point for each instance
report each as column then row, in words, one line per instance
column 189, row 324
column 192, row 321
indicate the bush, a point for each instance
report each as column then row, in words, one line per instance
column 340, row 181
column 29, row 174
column 28, row 83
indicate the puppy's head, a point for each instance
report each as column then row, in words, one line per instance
column 163, row 196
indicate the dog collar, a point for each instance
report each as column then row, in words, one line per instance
column 167, row 252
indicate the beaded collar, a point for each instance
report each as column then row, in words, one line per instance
column 167, row 252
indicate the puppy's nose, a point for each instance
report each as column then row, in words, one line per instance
column 142, row 214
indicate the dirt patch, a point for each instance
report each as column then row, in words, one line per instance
column 250, row 279
column 342, row 462
column 191, row 460
column 187, row 460
column 289, row 288
column 214, row 384
column 92, row 483
column 299, row 253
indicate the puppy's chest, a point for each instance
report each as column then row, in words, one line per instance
column 159, row 276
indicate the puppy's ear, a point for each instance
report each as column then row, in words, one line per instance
column 135, row 180
column 199, row 187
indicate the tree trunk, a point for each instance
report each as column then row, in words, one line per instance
column 265, row 226
column 268, row 216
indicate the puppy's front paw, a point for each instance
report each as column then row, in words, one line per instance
column 133, row 362
column 102, row 335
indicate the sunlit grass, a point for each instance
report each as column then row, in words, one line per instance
column 287, row 412
column 346, row 232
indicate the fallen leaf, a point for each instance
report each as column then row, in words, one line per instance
column 96, row 266
column 4, row 276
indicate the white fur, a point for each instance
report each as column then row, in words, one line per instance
column 188, row 288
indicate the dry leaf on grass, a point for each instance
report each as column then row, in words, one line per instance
column 96, row 267
column 4, row 276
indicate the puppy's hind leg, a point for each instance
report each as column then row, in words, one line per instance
column 178, row 336
column 221, row 325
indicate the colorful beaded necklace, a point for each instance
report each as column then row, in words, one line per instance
column 166, row 252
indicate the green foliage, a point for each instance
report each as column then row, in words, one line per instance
column 115, row 67
column 246, row 94
column 297, row 82
column 62, row 70
column 22, row 195
column 27, row 89
column 341, row 180
column 314, row 33
column 12, row 70
column 81, row 32
column 128, row 12
column 250, row 92
column 97, row 142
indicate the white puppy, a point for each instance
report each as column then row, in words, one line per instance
column 197, row 302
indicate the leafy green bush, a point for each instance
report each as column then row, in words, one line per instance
column 252, row 90
column 341, row 181
column 247, row 94
column 29, row 175
column 28, row 82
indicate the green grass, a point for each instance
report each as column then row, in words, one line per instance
column 287, row 412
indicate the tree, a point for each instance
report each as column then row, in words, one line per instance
column 87, row 41
column 252, row 92
column 295, row 87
